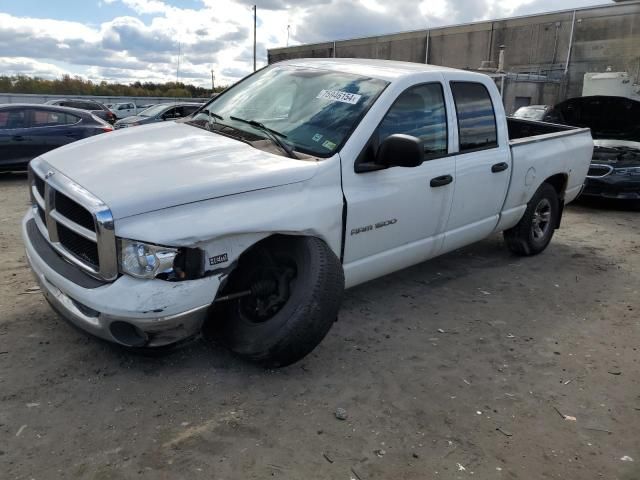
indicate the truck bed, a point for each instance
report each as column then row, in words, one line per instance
column 522, row 129
column 535, row 148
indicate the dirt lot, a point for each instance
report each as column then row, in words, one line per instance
column 462, row 367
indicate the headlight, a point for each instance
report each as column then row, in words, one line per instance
column 143, row 260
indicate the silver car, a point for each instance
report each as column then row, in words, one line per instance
column 159, row 113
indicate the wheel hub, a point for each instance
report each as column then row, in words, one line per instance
column 541, row 219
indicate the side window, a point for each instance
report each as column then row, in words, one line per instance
column 420, row 112
column 45, row 118
column 171, row 113
column 189, row 109
column 12, row 118
column 476, row 117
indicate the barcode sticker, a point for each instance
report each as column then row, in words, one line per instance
column 340, row 96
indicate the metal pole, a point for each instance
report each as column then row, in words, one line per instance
column 334, row 49
column 573, row 25
column 212, row 82
column 255, row 14
column 426, row 53
column 178, row 68
column 288, row 27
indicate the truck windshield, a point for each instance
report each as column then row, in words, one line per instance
column 315, row 110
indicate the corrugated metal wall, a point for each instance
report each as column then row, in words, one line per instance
column 600, row 37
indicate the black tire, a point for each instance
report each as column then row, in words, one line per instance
column 301, row 322
column 525, row 239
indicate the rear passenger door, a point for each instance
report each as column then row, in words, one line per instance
column 483, row 166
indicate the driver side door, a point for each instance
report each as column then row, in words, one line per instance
column 396, row 216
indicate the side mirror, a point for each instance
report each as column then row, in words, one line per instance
column 399, row 150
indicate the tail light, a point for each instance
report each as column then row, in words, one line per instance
column 107, row 129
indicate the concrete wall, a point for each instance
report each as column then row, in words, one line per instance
column 35, row 98
column 602, row 36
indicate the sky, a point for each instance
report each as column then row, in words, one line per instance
column 143, row 40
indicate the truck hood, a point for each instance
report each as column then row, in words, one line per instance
column 168, row 164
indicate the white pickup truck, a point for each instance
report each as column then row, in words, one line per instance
column 124, row 110
column 249, row 219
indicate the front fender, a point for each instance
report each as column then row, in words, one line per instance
column 225, row 227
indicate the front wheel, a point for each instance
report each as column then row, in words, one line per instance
column 280, row 301
column 533, row 232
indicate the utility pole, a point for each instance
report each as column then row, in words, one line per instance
column 288, row 28
column 255, row 15
column 212, row 82
column 178, row 68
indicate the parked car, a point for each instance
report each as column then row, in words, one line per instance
column 532, row 112
column 159, row 113
column 615, row 126
column 251, row 217
column 29, row 130
column 124, row 110
column 99, row 110
column 615, row 171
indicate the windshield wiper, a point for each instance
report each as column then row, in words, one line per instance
column 212, row 117
column 271, row 133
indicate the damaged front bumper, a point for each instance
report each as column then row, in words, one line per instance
column 128, row 311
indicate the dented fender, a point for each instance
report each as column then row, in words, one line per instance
column 225, row 227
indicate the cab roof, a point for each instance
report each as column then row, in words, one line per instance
column 388, row 70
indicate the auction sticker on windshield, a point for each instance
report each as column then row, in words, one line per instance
column 340, row 96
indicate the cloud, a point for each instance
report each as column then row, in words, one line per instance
column 144, row 44
column 27, row 66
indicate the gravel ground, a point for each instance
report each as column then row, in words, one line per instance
column 478, row 364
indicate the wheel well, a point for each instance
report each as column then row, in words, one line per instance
column 263, row 242
column 558, row 182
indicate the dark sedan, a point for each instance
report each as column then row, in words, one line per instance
column 27, row 131
column 92, row 106
column 159, row 113
column 615, row 170
column 615, row 127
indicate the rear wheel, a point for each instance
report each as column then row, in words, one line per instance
column 280, row 301
column 534, row 231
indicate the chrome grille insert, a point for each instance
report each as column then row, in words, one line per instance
column 76, row 223
column 599, row 170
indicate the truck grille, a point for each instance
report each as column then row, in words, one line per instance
column 78, row 245
column 77, row 224
column 74, row 211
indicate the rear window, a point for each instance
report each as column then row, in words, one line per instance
column 476, row 116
